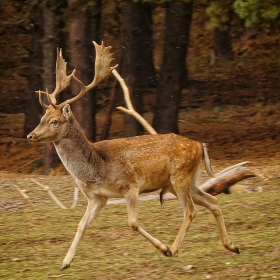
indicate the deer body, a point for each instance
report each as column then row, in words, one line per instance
column 125, row 167
column 111, row 166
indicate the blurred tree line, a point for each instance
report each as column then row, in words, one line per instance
column 36, row 28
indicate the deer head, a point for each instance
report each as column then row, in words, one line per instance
column 54, row 123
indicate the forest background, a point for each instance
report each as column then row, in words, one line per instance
column 208, row 70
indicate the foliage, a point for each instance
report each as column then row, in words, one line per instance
column 255, row 13
column 219, row 12
column 258, row 12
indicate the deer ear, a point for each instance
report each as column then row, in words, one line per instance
column 67, row 113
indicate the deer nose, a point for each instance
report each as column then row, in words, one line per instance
column 31, row 136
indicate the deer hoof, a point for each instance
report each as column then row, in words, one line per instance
column 237, row 251
column 168, row 253
column 64, row 266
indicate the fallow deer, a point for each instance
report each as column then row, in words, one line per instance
column 124, row 167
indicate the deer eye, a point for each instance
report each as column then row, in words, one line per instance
column 54, row 122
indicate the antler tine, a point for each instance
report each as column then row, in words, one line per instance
column 83, row 87
column 102, row 69
column 49, row 96
column 41, row 100
column 102, row 63
column 62, row 80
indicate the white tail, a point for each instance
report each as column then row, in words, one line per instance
column 207, row 162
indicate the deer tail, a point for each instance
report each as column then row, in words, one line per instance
column 206, row 161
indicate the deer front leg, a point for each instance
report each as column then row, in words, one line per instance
column 132, row 201
column 95, row 204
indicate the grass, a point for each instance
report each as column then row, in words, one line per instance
column 34, row 243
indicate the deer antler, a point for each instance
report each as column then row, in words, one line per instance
column 62, row 81
column 102, row 69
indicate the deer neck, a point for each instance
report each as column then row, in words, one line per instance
column 78, row 155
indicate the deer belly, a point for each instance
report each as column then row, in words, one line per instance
column 153, row 185
column 110, row 192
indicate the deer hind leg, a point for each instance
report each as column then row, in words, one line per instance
column 211, row 203
column 95, row 204
column 184, row 196
column 132, row 201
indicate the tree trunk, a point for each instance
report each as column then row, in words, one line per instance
column 222, row 44
column 83, row 30
column 53, row 38
column 111, row 107
column 136, row 63
column 173, row 69
column 33, row 110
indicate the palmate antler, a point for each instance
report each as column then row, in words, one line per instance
column 102, row 69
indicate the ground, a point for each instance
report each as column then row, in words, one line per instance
column 34, row 241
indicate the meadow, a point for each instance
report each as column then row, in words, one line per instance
column 33, row 243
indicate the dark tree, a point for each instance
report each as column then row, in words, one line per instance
column 220, row 16
column 53, row 37
column 136, row 57
column 222, row 44
column 33, row 110
column 84, row 29
column 173, row 70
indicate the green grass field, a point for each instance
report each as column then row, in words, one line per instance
column 34, row 243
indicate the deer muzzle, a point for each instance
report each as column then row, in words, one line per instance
column 33, row 137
